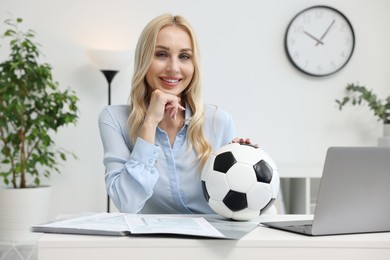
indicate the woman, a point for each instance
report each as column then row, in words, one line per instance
column 154, row 149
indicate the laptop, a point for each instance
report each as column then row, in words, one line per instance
column 353, row 197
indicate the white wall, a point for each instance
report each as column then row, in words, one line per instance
column 292, row 116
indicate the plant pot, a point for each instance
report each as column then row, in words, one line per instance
column 21, row 208
column 385, row 139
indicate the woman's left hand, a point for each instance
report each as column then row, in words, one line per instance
column 241, row 140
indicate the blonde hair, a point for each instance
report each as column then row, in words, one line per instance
column 139, row 96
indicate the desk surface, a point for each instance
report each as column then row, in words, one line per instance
column 261, row 242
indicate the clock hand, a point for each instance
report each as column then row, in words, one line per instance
column 327, row 30
column 314, row 38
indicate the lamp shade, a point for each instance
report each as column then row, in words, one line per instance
column 109, row 59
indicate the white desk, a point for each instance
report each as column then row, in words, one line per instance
column 261, row 243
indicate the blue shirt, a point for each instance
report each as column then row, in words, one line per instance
column 157, row 178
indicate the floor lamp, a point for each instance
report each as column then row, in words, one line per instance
column 109, row 63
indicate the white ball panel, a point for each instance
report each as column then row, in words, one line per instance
column 275, row 184
column 259, row 196
column 217, row 185
column 227, row 148
column 247, row 154
column 220, row 208
column 246, row 214
column 208, row 168
column 241, row 177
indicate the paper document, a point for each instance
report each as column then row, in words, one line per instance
column 158, row 224
column 122, row 224
column 95, row 224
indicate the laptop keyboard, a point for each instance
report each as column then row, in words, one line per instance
column 306, row 228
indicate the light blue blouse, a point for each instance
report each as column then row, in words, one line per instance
column 157, row 178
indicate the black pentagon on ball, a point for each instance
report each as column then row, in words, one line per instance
column 205, row 192
column 223, row 162
column 235, row 200
column 263, row 171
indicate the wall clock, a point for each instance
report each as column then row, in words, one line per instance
column 319, row 41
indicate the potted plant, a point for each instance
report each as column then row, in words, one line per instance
column 358, row 95
column 32, row 109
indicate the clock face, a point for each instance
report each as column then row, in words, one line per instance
column 319, row 41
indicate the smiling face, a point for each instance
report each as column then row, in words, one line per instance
column 172, row 67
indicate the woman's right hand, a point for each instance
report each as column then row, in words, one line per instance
column 162, row 104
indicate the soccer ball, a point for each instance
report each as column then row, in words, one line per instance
column 240, row 181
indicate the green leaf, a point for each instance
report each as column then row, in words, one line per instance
column 32, row 108
column 359, row 95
